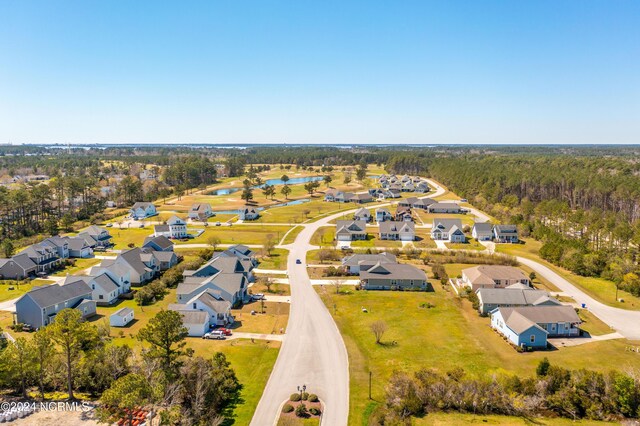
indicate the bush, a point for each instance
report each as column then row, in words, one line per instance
column 314, row 411
column 287, row 408
column 305, row 396
column 295, row 397
column 301, row 410
column 313, row 397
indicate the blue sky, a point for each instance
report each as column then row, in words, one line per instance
column 303, row 71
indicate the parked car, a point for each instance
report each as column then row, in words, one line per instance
column 224, row 331
column 218, row 223
column 109, row 225
column 214, row 335
column 298, row 262
column 257, row 296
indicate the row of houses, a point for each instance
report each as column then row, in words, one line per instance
column 405, row 183
column 382, row 214
column 143, row 210
column 486, row 231
column 353, row 230
column 103, row 284
column 525, row 316
column 334, row 195
column 45, row 256
column 206, row 296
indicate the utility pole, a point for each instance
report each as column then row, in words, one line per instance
column 370, row 374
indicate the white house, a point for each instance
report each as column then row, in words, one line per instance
column 448, row 230
column 249, row 213
column 121, row 317
column 200, row 211
column 482, row 231
column 362, row 214
column 196, row 322
column 175, row 228
column 142, row 210
column 383, row 214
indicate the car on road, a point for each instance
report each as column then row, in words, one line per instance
column 109, row 225
column 218, row 224
column 214, row 335
column 463, row 200
column 298, row 262
column 257, row 296
column 345, row 247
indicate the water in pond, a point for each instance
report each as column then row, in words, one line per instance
column 291, row 203
column 294, row 181
column 224, row 191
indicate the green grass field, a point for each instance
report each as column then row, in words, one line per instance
column 471, row 244
column 291, row 236
column 598, row 288
column 277, row 260
column 123, row 237
column 448, row 335
column 79, row 267
column 239, row 234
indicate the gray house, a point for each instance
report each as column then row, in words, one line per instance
column 349, row 230
column 17, row 267
column 40, row 306
column 482, row 231
column 444, row 208
column 393, row 276
column 492, row 298
column 354, row 263
column 505, row 233
column 448, row 230
column 99, row 237
column 403, row 231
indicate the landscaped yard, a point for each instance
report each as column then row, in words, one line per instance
column 450, row 334
column 598, row 288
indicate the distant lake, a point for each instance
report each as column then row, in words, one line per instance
column 293, row 181
column 224, row 191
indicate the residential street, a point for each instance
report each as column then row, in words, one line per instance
column 313, row 353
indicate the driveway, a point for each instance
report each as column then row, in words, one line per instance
column 441, row 244
column 623, row 321
column 313, row 353
column 577, row 341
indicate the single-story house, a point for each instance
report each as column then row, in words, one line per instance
column 200, row 211
column 422, row 203
column 403, row 214
column 407, row 202
column 403, row 231
column 142, row 210
column 422, row 187
column 355, row 262
column 530, row 326
column 492, row 298
column 505, row 233
column 448, row 230
column 349, row 230
column 161, row 243
column 493, row 276
column 482, row 231
column 393, row 276
column 362, row 214
column 360, row 198
column 39, row 306
column 121, row 317
column 444, row 208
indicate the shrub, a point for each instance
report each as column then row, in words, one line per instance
column 305, row 396
column 287, row 408
column 301, row 410
column 313, row 397
column 314, row 411
column 295, row 397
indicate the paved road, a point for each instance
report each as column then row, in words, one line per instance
column 313, row 352
column 623, row 321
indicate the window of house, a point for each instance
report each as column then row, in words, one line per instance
column 533, row 338
column 194, row 305
column 100, row 297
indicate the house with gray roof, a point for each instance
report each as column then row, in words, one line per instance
column 121, row 317
column 158, row 243
column 174, row 228
column 393, row 276
column 383, row 214
column 249, row 213
column 143, row 210
column 448, row 230
column 360, row 198
column 100, row 236
column 482, row 231
column 349, row 230
column 45, row 256
column 200, row 211
column 493, row 298
column 403, row 231
column 530, row 326
column 218, row 310
column 444, row 208
column 78, row 247
column 505, row 234
column 140, row 271
column 40, row 305
column 362, row 214
column 355, row 262
column 196, row 322
column 17, row 267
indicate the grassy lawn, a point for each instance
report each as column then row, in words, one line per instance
column 471, row 244
column 592, row 324
column 312, row 258
column 274, row 318
column 296, row 421
column 239, row 234
column 79, row 267
column 449, row 335
column 424, row 239
column 291, row 236
column 427, row 218
column 276, row 289
column 324, row 236
column 441, row 419
column 598, row 288
column 277, row 260
column 123, row 237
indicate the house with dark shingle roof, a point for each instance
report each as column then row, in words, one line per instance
column 403, row 231
column 17, row 267
column 448, row 230
column 160, row 243
column 45, row 256
column 492, row 298
column 505, row 234
column 355, row 262
column 349, row 230
column 482, row 231
column 444, row 208
column 40, row 305
column 393, row 276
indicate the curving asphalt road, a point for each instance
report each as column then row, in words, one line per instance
column 313, row 352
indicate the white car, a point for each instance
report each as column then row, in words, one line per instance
column 258, row 296
column 214, row 335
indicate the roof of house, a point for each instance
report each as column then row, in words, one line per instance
column 250, row 210
column 513, row 296
column 483, row 227
column 393, row 271
column 382, row 210
column 522, row 318
column 424, row 202
column 396, row 227
column 241, row 248
column 351, row 226
column 122, row 312
column 447, row 206
column 362, row 212
column 77, row 243
column 53, row 294
column 208, row 299
column 161, row 228
column 23, row 260
column 360, row 196
column 355, row 259
column 105, row 281
column 506, row 229
column 487, row 274
column 200, row 207
column 447, row 225
column 173, row 220
column 133, row 258
column 194, row 317
column 142, row 205
column 163, row 256
column 160, row 241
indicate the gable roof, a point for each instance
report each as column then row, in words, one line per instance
column 513, row 296
column 447, row 206
column 485, row 227
column 23, row 261
column 487, row 274
column 194, row 317
column 538, row 315
column 355, row 259
column 447, row 225
column 350, row 226
column 506, row 229
column 160, row 241
column 143, row 205
column 49, row 295
column 200, row 207
column 122, row 312
column 398, row 271
column 396, row 227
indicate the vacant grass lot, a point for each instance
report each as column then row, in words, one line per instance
column 239, row 234
column 471, row 244
column 123, row 237
column 79, row 267
column 451, row 334
column 427, row 218
column 598, row 288
column 274, row 318
column 277, row 260
column 19, row 288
